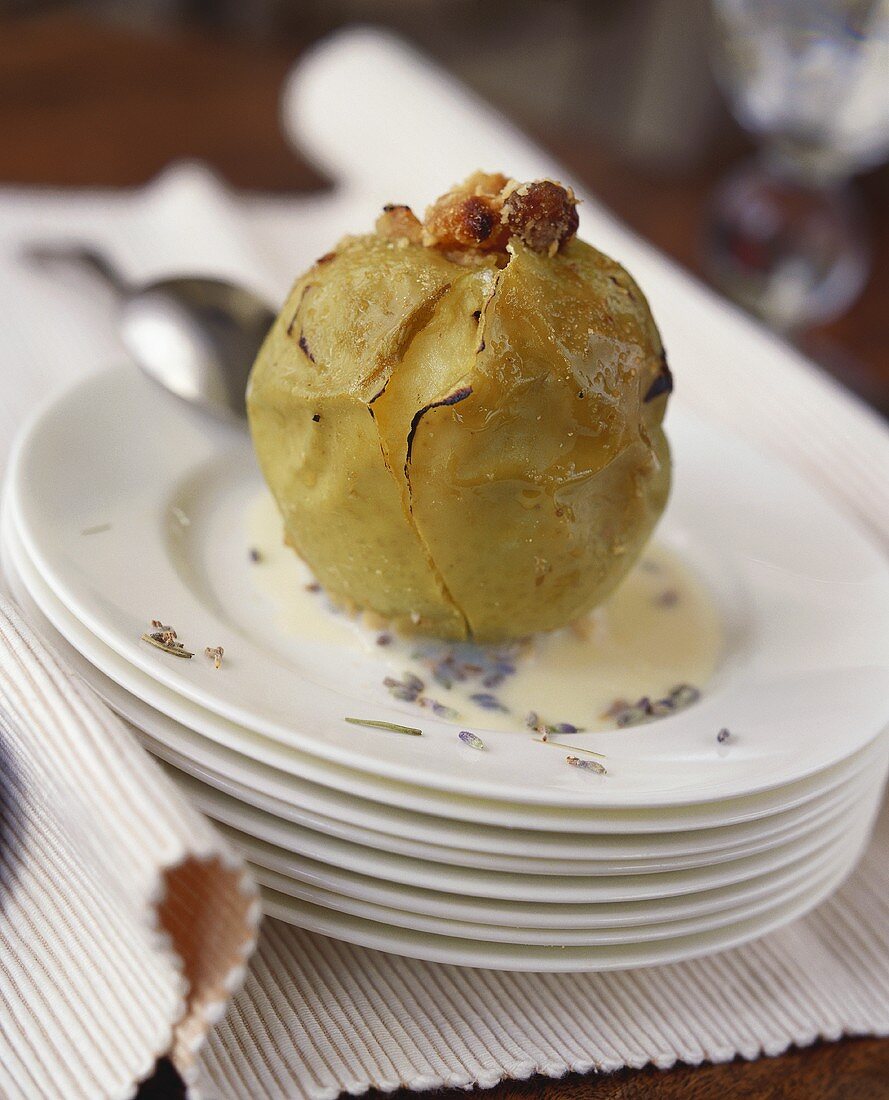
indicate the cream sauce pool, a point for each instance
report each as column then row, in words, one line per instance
column 660, row 629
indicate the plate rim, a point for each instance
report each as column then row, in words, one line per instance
column 351, row 879
column 214, row 744
column 633, row 934
column 557, row 960
column 596, row 795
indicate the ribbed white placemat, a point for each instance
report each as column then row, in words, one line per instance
column 91, row 834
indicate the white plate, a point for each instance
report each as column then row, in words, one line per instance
column 628, row 914
column 499, row 956
column 576, row 889
column 411, row 834
column 319, row 794
column 298, row 839
column 807, row 685
column 828, row 868
column 341, row 866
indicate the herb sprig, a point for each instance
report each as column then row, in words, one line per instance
column 394, row 727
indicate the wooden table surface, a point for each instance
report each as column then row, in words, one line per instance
column 88, row 104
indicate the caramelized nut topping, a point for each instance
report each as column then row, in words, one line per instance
column 468, row 216
column 543, row 215
column 399, row 222
column 481, row 214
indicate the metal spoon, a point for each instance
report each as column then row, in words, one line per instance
column 197, row 337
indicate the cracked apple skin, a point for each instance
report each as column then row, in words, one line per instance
column 468, row 449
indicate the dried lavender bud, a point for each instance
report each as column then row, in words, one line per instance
column 442, row 678
column 488, row 701
column 668, row 598
column 589, row 765
column 617, row 708
column 442, row 711
column 683, row 695
column 406, row 695
column 631, row 716
column 471, row 739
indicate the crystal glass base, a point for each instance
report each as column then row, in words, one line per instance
column 792, row 252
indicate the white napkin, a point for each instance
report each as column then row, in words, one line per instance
column 89, row 995
column 125, row 920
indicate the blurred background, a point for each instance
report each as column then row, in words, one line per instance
column 746, row 138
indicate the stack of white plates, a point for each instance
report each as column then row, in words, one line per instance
column 122, row 506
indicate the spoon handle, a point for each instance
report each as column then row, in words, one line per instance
column 83, row 256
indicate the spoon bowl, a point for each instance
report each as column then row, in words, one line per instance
column 195, row 336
